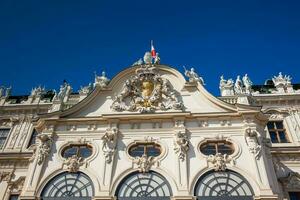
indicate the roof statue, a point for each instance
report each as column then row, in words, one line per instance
column 238, row 86
column 283, row 84
column 226, row 86
column 102, row 80
column 193, row 76
column 247, row 83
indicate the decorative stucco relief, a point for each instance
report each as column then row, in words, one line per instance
column 144, row 163
column 219, row 161
column 292, row 181
column 16, row 185
column 44, row 147
column 181, row 143
column 6, row 176
column 73, row 163
column 147, row 92
column 251, row 137
column 109, row 140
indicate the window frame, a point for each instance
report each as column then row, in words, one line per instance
column 30, row 144
column 69, row 146
column 217, row 143
column 137, row 143
column 6, row 138
column 277, row 130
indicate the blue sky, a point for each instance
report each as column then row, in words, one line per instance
column 45, row 42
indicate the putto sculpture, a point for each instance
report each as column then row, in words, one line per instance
column 146, row 92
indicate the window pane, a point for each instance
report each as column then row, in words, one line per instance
column 136, row 151
column 70, row 152
column 209, row 149
column 294, row 195
column 270, row 125
column 273, row 137
column 225, row 149
column 33, row 138
column 3, row 136
column 282, row 136
column 153, row 151
column 14, row 197
column 85, row 152
column 279, row 125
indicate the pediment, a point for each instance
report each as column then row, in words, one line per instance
column 154, row 89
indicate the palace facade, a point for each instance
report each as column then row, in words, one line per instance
column 151, row 133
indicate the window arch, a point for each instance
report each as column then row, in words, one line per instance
column 66, row 185
column 227, row 184
column 144, row 186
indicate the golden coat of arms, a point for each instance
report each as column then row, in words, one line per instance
column 146, row 92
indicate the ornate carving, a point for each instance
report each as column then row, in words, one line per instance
column 229, row 88
column 109, row 143
column 37, row 91
column 102, row 80
column 292, row 181
column 247, row 83
column 6, row 176
column 144, row 163
column 44, row 147
column 64, row 91
column 5, row 91
column 193, row 76
column 17, row 184
column 86, row 90
column 219, row 161
column 181, row 143
column 276, row 117
column 281, row 80
column 73, row 163
column 226, row 87
column 146, row 92
column 251, row 137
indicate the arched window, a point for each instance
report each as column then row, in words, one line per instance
column 144, row 186
column 66, row 185
column 223, row 185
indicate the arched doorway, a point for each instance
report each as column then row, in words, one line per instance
column 144, row 186
column 223, row 185
column 67, row 186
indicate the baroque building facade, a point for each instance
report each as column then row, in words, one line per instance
column 151, row 133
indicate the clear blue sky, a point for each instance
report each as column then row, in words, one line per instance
column 45, row 42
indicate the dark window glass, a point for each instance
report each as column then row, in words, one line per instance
column 149, row 149
column 78, row 150
column 273, row 137
column 14, row 197
column 294, row 195
column 277, row 132
column 225, row 149
column 212, row 148
column 85, row 152
column 209, row 149
column 33, row 138
column 3, row 135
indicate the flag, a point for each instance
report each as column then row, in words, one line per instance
column 153, row 53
